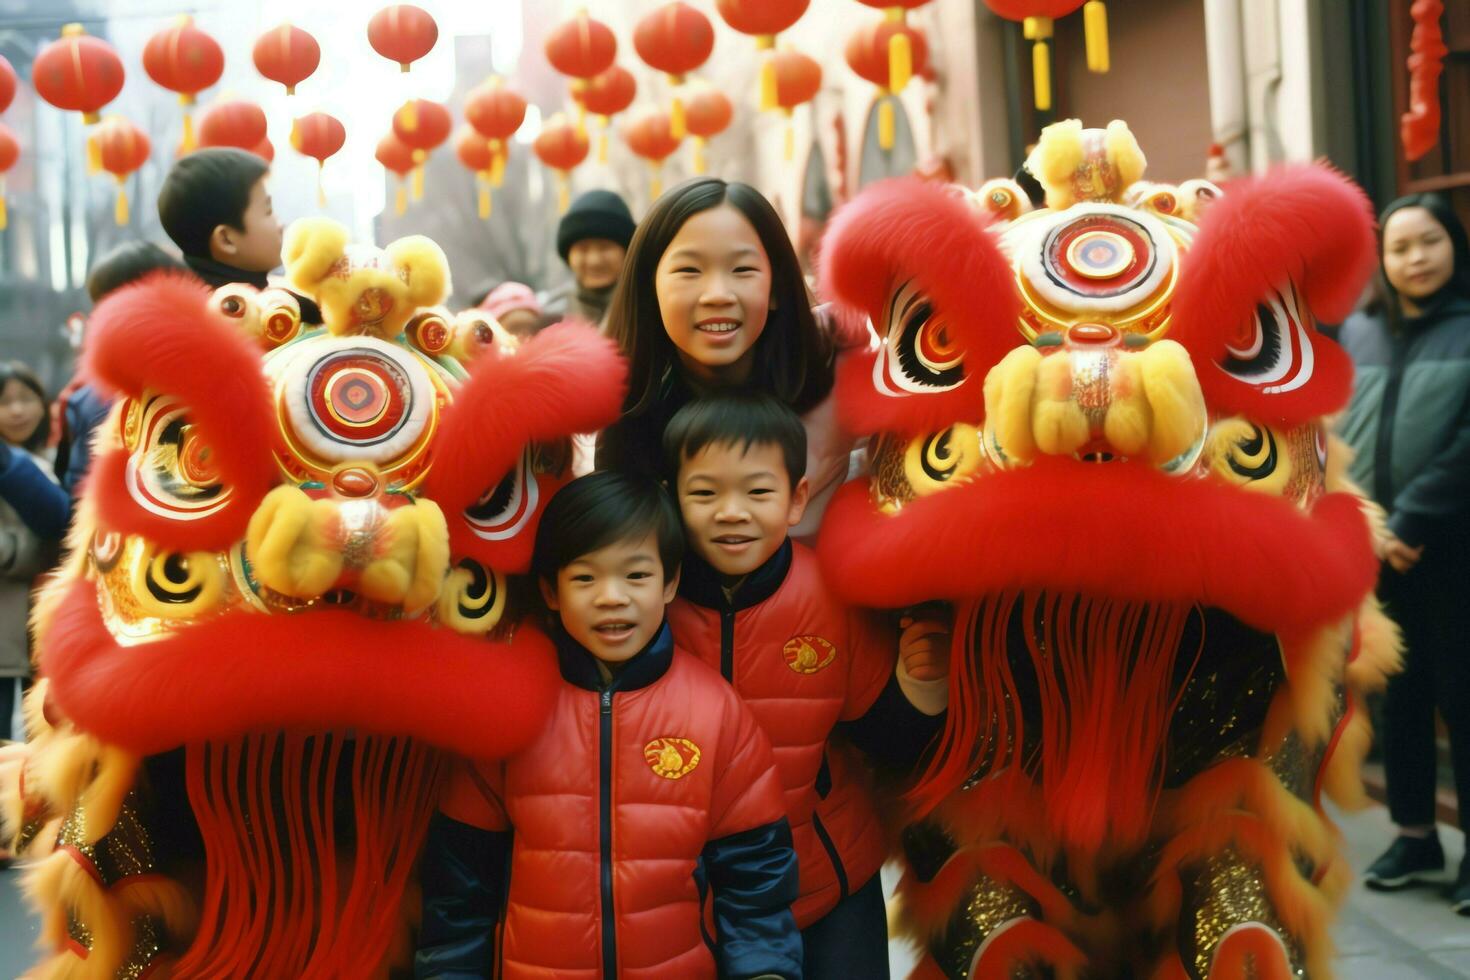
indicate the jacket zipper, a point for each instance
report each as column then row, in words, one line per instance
column 727, row 645
column 604, row 752
column 832, row 856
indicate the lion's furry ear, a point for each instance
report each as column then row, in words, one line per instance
column 426, row 267
column 312, row 247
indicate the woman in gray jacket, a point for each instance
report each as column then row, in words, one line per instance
column 1409, row 424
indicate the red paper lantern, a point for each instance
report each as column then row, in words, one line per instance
column 494, row 110
column 8, row 83
column 318, row 136
column 609, row 93
column 762, row 18
column 674, row 39
column 581, row 47
column 288, row 55
column 707, row 113
column 9, row 154
column 185, row 60
column 1036, row 16
column 1419, row 126
column 396, row 158
column 233, row 122
column 472, row 149
column 562, row 146
column 402, row 33
column 122, row 148
column 265, row 150
column 422, row 124
column 867, row 52
column 650, row 135
column 78, row 73
column 798, row 79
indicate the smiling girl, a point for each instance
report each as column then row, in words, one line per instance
column 712, row 297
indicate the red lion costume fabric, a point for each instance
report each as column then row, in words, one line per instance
column 289, row 591
column 1098, row 431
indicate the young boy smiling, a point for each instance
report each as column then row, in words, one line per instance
column 650, row 790
column 752, row 604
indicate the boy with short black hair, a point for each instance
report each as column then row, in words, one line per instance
column 650, row 790
column 217, row 209
column 752, row 603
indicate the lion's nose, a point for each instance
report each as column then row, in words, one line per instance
column 356, row 482
column 1091, row 335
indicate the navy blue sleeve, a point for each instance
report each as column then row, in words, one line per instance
column 893, row 731
column 752, row 879
column 463, row 877
column 85, row 412
column 40, row 503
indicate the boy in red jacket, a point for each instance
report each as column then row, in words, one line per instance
column 651, row 788
column 753, row 605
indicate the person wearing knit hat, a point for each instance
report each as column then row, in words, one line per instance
column 592, row 239
column 514, row 306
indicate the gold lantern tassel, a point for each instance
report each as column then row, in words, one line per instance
column 768, row 74
column 582, row 116
column 602, row 142
column 886, row 122
column 4, row 211
column 699, row 161
column 486, row 204
column 418, row 174
column 655, row 182
column 188, row 143
column 1095, row 20
column 790, row 137
column 94, row 155
column 563, row 191
column 678, row 128
column 497, row 169
column 1038, row 29
column 321, row 191
column 120, row 210
column 400, row 198
column 900, row 53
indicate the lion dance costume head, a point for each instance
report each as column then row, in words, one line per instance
column 1099, row 431
column 291, row 585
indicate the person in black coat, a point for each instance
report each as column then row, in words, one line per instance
column 1409, row 425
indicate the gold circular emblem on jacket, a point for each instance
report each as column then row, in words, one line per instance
column 808, row 654
column 670, row 757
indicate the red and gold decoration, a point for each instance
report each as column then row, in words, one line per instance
column 121, row 148
column 288, row 55
column 78, row 73
column 870, row 53
column 9, row 154
column 397, row 158
column 562, row 146
column 763, row 19
column 474, row 151
column 1419, row 126
column 496, row 112
column 650, row 135
column 605, row 96
column 422, row 126
column 707, row 114
column 901, row 62
column 185, row 60
column 798, row 79
column 232, row 122
column 581, row 48
column 8, row 83
column 402, row 33
column 319, row 136
column 1036, row 16
column 674, row 39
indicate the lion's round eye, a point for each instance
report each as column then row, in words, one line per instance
column 175, row 584
column 232, row 306
column 473, row 599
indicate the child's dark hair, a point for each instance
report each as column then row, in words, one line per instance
column 206, row 189
column 604, row 508
column 793, row 355
column 741, row 419
column 128, row 263
column 17, row 371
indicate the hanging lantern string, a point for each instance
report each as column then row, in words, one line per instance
column 1038, row 30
